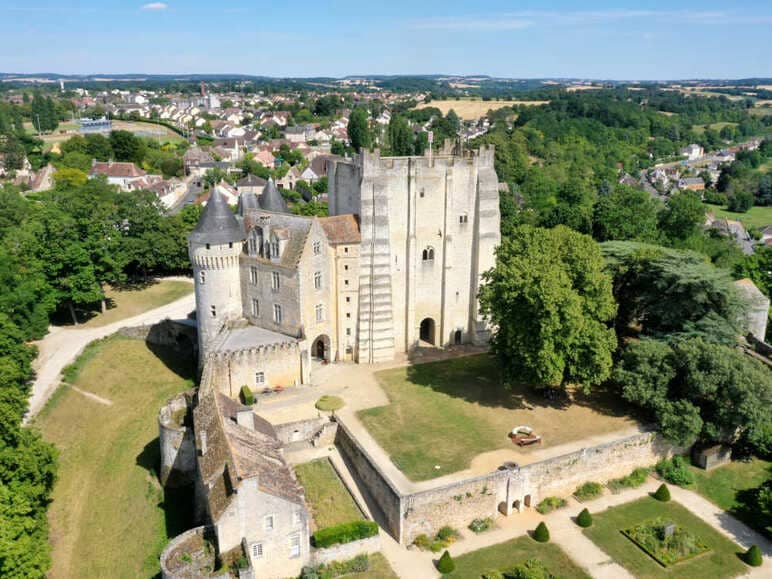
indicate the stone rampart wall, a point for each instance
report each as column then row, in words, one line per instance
column 346, row 551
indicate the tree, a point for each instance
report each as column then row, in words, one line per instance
column 550, row 302
column 541, row 533
column 68, row 178
column 400, row 137
column 626, row 213
column 359, row 129
column 662, row 493
column 698, row 390
column 683, row 216
column 446, row 564
column 741, row 202
column 584, row 519
column 127, row 147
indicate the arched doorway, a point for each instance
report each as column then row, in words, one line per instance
column 320, row 349
column 457, row 337
column 426, row 333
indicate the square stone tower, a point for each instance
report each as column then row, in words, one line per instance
column 429, row 227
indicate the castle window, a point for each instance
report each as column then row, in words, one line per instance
column 230, row 245
column 253, row 275
column 428, row 254
column 345, row 250
column 257, row 550
column 463, row 218
column 274, row 249
column 296, row 518
column 255, row 307
column 253, row 245
column 277, row 316
column 345, row 268
column 318, row 280
column 345, row 282
column 269, row 523
column 202, row 277
column 348, row 314
column 348, row 331
column 259, row 378
column 317, row 247
column 421, row 194
column 214, row 311
column 348, row 299
column 319, row 312
column 275, row 281
column 294, row 546
column 208, row 246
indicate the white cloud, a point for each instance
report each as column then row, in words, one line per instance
column 155, row 6
column 504, row 23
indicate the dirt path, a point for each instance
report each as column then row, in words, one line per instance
column 62, row 345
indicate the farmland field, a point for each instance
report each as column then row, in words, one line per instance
column 472, row 109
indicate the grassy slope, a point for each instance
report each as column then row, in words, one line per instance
column 124, row 304
column 330, row 502
column 107, row 517
column 756, row 216
column 720, row 561
column 514, row 552
column 446, row 413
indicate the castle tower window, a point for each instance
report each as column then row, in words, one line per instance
column 255, row 307
column 277, row 315
column 428, row 254
column 259, row 378
column 464, row 218
column 202, row 277
column 253, row 275
column 318, row 280
column 214, row 311
column 319, row 312
column 275, row 281
column 208, row 246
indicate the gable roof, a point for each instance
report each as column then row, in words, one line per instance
column 113, row 169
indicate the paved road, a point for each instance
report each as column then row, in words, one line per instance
column 63, row 344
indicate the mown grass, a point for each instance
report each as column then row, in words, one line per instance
column 720, row 561
column 757, row 216
column 330, row 502
column 446, row 413
column 108, row 516
column 506, row 555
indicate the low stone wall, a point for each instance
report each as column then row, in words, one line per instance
column 311, row 431
column 165, row 333
column 189, row 545
column 377, row 485
column 346, row 551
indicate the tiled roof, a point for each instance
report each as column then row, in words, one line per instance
column 113, row 169
column 341, row 229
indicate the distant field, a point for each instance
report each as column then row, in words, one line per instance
column 714, row 126
column 755, row 217
column 147, row 130
column 472, row 109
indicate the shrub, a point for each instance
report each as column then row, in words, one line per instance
column 631, row 481
column 542, row 533
column 663, row 493
column 437, row 546
column 753, row 556
column 481, row 525
column 531, row 569
column 550, row 504
column 329, row 403
column 359, row 564
column 584, row 519
column 422, row 541
column 588, row 491
column 246, row 396
column 344, row 533
column 446, row 564
column 447, row 534
column 675, row 471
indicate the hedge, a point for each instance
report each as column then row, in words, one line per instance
column 344, row 533
column 246, row 396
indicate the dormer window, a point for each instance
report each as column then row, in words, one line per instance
column 274, row 249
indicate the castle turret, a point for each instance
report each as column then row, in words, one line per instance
column 271, row 200
column 214, row 247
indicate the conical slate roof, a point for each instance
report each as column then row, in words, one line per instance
column 218, row 224
column 271, row 200
column 246, row 201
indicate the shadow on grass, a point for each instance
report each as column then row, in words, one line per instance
column 478, row 379
column 86, row 312
column 180, row 358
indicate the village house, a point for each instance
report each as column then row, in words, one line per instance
column 122, row 174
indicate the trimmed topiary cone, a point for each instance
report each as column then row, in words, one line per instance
column 753, row 556
column 446, row 564
column 542, row 533
column 663, row 493
column 584, row 519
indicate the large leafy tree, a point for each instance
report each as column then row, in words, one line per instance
column 359, row 129
column 127, row 147
column 699, row 390
column 400, row 137
column 683, row 216
column 550, row 304
column 626, row 213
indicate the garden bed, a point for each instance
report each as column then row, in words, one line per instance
column 665, row 542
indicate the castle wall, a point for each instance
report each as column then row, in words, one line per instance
column 287, row 296
column 311, row 297
column 345, row 279
column 178, row 452
column 280, row 364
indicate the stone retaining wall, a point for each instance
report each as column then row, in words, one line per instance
column 346, row 551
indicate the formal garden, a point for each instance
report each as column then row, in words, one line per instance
column 443, row 414
column 655, row 538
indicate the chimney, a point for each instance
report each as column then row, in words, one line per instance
column 245, row 418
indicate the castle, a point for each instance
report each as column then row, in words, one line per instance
column 397, row 264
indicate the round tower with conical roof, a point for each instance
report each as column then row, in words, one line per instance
column 214, row 247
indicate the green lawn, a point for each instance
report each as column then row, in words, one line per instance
column 330, row 502
column 445, row 413
column 514, row 552
column 107, row 517
column 127, row 303
column 757, row 216
column 379, row 569
column 720, row 561
column 715, row 126
column 727, row 486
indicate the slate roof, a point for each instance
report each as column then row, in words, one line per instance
column 341, row 229
column 246, row 202
column 217, row 224
column 271, row 200
column 293, row 228
column 251, row 181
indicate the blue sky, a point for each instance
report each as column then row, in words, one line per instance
column 590, row 39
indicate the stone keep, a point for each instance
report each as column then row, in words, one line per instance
column 429, row 226
column 214, row 247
